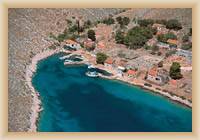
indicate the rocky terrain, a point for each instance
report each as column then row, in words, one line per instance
column 28, row 34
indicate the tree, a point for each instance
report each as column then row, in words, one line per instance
column 160, row 64
column 69, row 21
column 175, row 71
column 162, row 38
column 137, row 37
column 146, row 47
column 91, row 35
column 145, row 22
column 61, row 37
column 119, row 20
column 147, row 32
column 109, row 21
column 190, row 32
column 187, row 46
column 123, row 21
column 119, row 37
column 173, row 24
column 87, row 24
column 170, row 36
column 135, row 41
column 162, row 21
column 101, row 58
column 126, row 20
column 73, row 29
column 185, row 38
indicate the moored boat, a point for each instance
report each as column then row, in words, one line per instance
column 92, row 74
column 90, row 66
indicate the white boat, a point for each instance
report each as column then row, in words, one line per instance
column 92, row 74
column 79, row 57
column 64, row 57
column 67, row 60
column 90, row 66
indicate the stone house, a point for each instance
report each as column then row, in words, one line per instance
column 157, row 76
column 109, row 62
column 72, row 44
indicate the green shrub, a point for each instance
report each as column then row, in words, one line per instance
column 165, row 37
column 100, row 58
column 173, row 24
column 185, row 38
column 175, row 71
column 146, row 47
column 109, row 21
column 123, row 21
column 162, row 21
column 119, row 37
column 187, row 46
column 145, row 22
column 91, row 35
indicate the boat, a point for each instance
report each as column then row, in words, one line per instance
column 91, row 66
column 92, row 74
column 63, row 57
column 67, row 60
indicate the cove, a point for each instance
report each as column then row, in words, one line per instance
column 74, row 102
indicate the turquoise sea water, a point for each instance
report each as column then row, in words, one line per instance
column 74, row 102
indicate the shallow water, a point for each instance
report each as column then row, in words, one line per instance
column 73, row 102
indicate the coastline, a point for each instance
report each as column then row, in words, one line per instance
column 30, row 70
column 162, row 93
column 36, row 107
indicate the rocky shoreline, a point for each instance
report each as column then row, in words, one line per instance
column 30, row 70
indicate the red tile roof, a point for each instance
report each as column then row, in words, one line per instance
column 69, row 41
column 153, row 71
column 172, row 41
column 131, row 72
column 173, row 82
column 109, row 61
column 101, row 45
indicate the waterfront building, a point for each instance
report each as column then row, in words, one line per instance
column 131, row 73
column 72, row 44
column 120, row 70
column 157, row 76
column 109, row 62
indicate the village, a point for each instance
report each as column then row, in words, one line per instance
column 147, row 62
